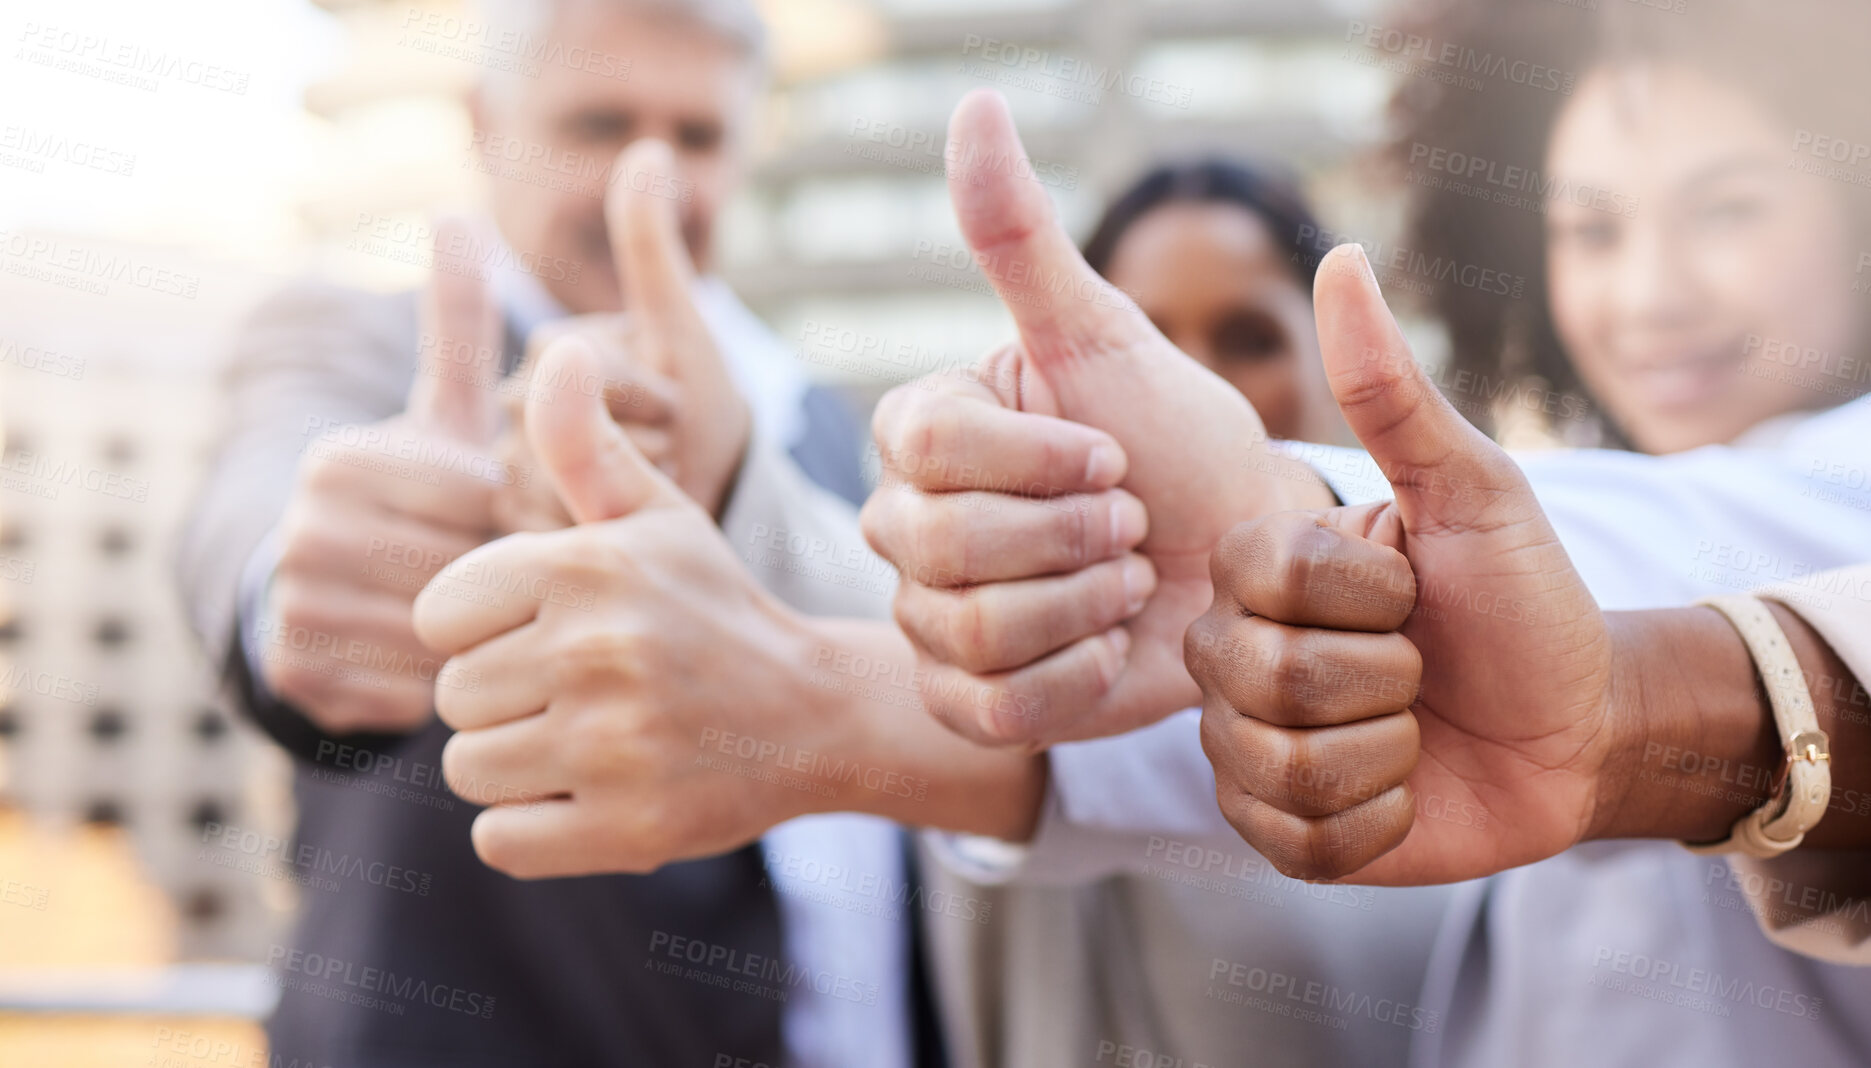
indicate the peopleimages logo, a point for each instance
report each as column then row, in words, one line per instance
column 1672, row 977
column 367, row 980
column 751, row 973
column 1285, row 994
column 90, row 269
column 1502, row 180
column 315, row 859
column 1457, row 64
column 44, row 476
column 126, row 62
column 1064, row 76
column 19, row 679
column 484, row 42
column 32, row 149
column 393, row 238
column 1400, row 267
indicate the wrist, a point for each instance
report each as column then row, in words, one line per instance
column 1692, row 743
column 888, row 756
column 813, row 730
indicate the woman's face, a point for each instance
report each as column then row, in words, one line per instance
column 1686, row 261
column 1217, row 284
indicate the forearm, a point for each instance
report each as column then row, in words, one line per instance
column 908, row 767
column 1697, row 746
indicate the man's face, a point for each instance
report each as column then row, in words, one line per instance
column 547, row 142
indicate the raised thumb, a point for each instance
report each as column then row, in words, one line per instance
column 597, row 472
column 652, row 260
column 458, row 343
column 1058, row 302
column 1436, row 461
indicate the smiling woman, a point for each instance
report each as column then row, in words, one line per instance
column 1691, row 219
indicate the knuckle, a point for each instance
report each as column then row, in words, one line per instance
column 457, row 764
column 941, row 696
column 1082, row 538
column 1198, row 649
column 946, row 711
column 593, row 655
column 292, row 604
column 911, row 617
column 1008, row 723
column 1328, row 854
column 452, row 703
column 1310, row 561
column 1278, row 838
column 941, row 545
column 878, row 520
column 1216, row 730
column 1289, row 682
column 1218, row 648
column 1296, row 855
column 329, row 470
column 301, row 545
column 967, row 632
column 586, row 559
column 907, row 426
column 1262, row 653
column 1234, row 552
column 885, row 419
column 1279, row 762
column 499, row 851
column 592, row 747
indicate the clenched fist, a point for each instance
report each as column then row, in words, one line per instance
column 376, row 511
column 1412, row 692
column 662, row 375
column 607, row 652
column 1051, row 513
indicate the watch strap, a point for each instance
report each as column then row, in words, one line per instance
column 1804, row 788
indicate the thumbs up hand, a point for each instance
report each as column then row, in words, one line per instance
column 1051, row 514
column 1413, row 692
column 376, row 510
column 666, row 382
column 588, row 664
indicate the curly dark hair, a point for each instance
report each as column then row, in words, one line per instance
column 1807, row 61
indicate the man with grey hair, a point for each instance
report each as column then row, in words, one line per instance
column 341, row 488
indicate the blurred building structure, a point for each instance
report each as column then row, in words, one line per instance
column 111, row 716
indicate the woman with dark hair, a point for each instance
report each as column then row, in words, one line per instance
column 1681, row 188
column 1205, row 248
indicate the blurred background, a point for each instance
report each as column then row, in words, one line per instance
column 141, row 216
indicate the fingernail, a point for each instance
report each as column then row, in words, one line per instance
column 1139, row 583
column 1101, row 469
column 1129, row 522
